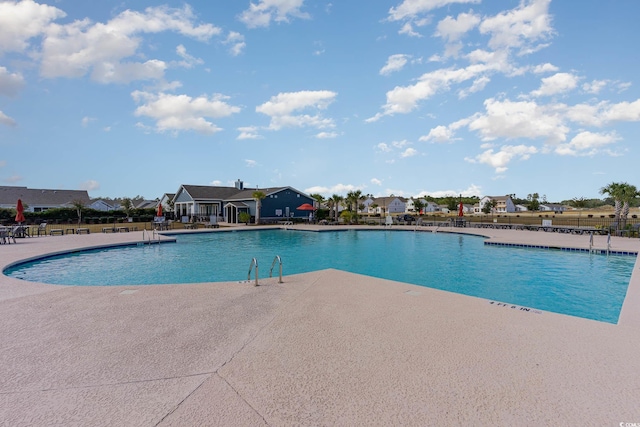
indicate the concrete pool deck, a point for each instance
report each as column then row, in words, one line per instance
column 322, row 348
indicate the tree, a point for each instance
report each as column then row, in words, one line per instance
column 615, row 191
column 489, row 206
column 452, row 204
column 628, row 193
column 79, row 205
column 127, row 206
column 336, row 204
column 579, row 202
column 534, row 202
column 258, row 196
column 319, row 198
column 418, row 205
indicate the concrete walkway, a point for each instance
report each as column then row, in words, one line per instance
column 323, row 348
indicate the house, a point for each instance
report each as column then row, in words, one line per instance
column 552, row 207
column 504, row 204
column 38, row 200
column 147, row 204
column 167, row 202
column 102, row 205
column 521, row 208
column 201, row 202
column 389, row 205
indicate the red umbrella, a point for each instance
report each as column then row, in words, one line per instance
column 159, row 210
column 305, row 207
column 20, row 214
column 460, row 210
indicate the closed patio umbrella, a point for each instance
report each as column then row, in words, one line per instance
column 159, row 213
column 20, row 214
column 461, row 210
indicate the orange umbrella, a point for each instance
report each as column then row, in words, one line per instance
column 159, row 210
column 305, row 207
column 20, row 214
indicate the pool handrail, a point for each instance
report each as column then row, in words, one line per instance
column 254, row 261
column 279, row 260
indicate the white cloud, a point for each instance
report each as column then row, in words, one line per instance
column 439, row 134
column 181, row 112
column 409, row 152
column 248, row 132
column 236, row 42
column 336, row 189
column 250, row 163
column 587, row 143
column 6, row 120
column 188, row 61
column 407, row 29
column 603, row 113
column 409, row 9
column 10, row 83
column 90, row 185
column 472, row 190
column 452, row 29
column 478, row 85
column 558, row 83
column 13, row 179
column 326, row 135
column 525, row 119
column 22, row 21
column 400, row 144
column 281, row 107
column 106, row 51
column 383, row 147
column 394, row 63
column 520, row 27
column 500, row 159
column 262, row 13
column 595, row 86
column 405, row 99
column 376, row 181
column 216, row 183
column 86, row 120
column 545, row 68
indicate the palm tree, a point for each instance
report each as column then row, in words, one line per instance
column 319, row 198
column 354, row 198
column 336, row 204
column 258, row 196
column 615, row 190
column 628, row 192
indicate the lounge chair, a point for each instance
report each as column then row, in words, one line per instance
column 42, row 229
column 6, row 236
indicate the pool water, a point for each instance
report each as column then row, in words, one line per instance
column 579, row 284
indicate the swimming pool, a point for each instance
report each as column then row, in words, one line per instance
column 579, row 284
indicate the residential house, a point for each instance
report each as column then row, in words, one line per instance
column 521, row 208
column 552, row 207
column 201, row 202
column 167, row 202
column 102, row 205
column 389, row 205
column 504, row 204
column 147, row 204
column 38, row 200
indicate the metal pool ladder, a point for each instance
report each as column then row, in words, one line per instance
column 254, row 262
column 279, row 261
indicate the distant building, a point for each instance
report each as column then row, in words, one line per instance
column 504, row 204
column 552, row 207
column 102, row 205
column 39, row 200
column 200, row 202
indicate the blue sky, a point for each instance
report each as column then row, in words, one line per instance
column 413, row 97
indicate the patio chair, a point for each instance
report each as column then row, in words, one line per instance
column 42, row 229
column 6, row 236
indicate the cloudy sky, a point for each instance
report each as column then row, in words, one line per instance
column 403, row 97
